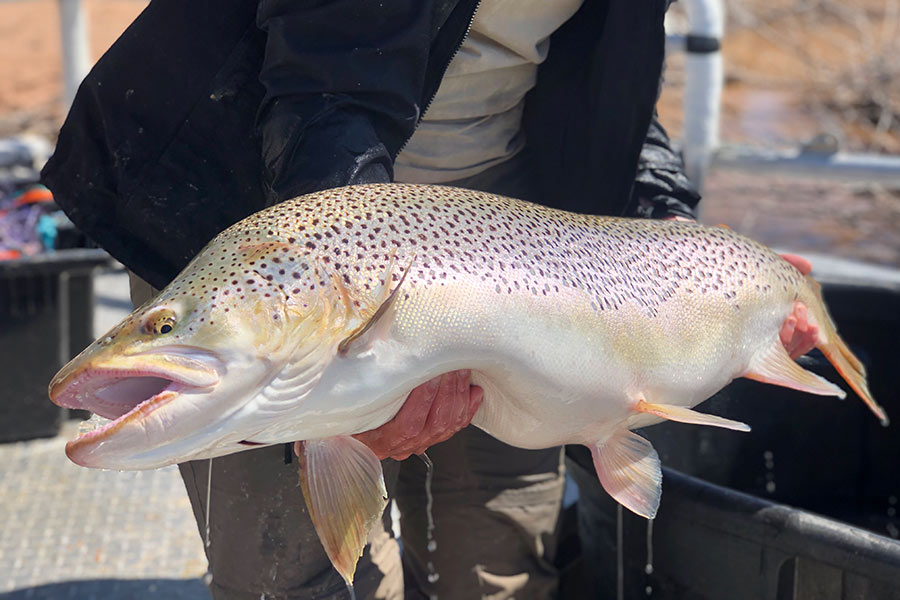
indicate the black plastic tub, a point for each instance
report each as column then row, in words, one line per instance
column 46, row 318
column 713, row 542
column 803, row 507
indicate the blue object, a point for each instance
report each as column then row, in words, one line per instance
column 46, row 230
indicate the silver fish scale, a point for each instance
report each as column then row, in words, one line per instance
column 511, row 246
column 447, row 234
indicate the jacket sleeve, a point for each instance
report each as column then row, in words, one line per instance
column 661, row 188
column 342, row 80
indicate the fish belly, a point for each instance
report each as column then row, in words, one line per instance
column 554, row 369
column 575, row 375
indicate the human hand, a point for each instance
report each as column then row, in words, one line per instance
column 797, row 334
column 432, row 413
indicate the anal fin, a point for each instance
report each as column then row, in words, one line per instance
column 686, row 415
column 775, row 366
column 628, row 468
column 344, row 490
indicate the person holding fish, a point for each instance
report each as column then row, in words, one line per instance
column 241, row 105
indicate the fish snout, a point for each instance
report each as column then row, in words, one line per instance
column 73, row 382
column 59, row 383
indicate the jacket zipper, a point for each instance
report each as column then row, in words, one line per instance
column 443, row 72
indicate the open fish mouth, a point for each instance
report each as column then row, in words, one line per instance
column 113, row 396
column 128, row 389
column 141, row 410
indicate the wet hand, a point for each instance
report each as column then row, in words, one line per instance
column 797, row 334
column 432, row 413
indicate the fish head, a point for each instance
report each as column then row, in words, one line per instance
column 178, row 376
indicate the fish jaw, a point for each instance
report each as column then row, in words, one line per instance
column 97, row 449
column 105, row 385
column 155, row 399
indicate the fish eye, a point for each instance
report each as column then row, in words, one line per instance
column 160, row 322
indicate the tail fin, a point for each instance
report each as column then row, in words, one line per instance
column 839, row 355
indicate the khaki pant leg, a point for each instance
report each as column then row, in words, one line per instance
column 262, row 542
column 495, row 511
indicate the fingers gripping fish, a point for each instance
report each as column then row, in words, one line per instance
column 314, row 319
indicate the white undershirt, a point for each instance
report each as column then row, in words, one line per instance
column 475, row 120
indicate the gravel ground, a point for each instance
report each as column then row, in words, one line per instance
column 71, row 532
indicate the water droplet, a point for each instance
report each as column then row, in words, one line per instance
column 769, row 458
column 648, row 590
column 429, row 498
column 892, row 530
column 648, row 568
column 431, row 545
column 892, row 512
column 620, row 556
column 206, row 541
column 892, row 500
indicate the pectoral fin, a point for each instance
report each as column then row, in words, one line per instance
column 363, row 335
column 344, row 490
column 687, row 415
column 628, row 468
column 775, row 366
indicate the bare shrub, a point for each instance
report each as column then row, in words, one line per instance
column 843, row 56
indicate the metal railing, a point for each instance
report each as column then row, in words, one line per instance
column 702, row 98
column 75, row 51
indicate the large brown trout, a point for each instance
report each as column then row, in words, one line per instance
column 314, row 319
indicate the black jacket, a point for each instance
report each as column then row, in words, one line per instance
column 206, row 111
